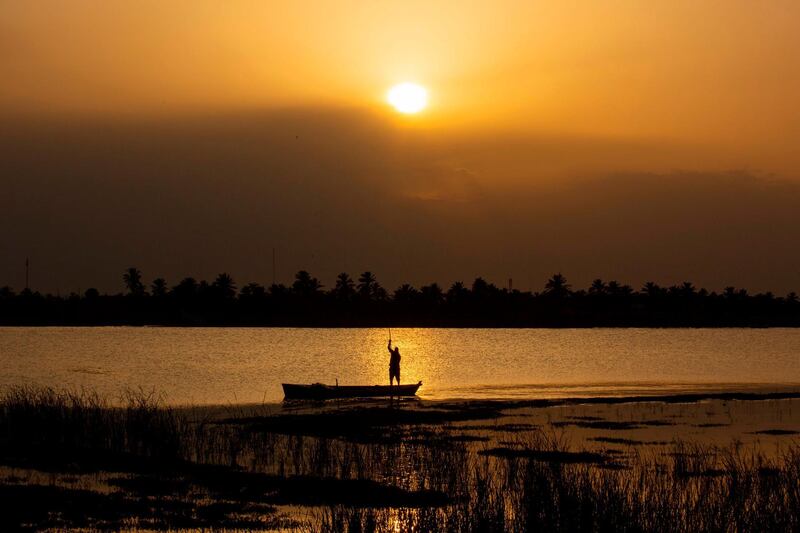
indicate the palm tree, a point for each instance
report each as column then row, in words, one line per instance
column 305, row 285
column 159, row 288
column 432, row 294
column 405, row 294
column 369, row 288
column 225, row 286
column 625, row 290
column 252, row 291
column 379, row 294
column 457, row 294
column 204, row 290
column 186, row 289
column 480, row 287
column 557, row 286
column 598, row 286
column 133, row 281
column 345, row 287
column 278, row 291
column 651, row 289
column 687, row 288
column 366, row 282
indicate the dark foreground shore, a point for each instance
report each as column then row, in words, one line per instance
column 707, row 461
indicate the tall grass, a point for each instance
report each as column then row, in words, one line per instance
column 690, row 488
column 53, row 425
column 534, row 481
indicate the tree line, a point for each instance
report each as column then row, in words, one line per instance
column 365, row 302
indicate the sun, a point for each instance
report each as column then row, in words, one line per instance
column 408, row 98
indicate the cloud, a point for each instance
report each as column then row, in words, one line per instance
column 339, row 189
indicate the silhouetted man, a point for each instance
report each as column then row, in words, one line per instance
column 394, row 363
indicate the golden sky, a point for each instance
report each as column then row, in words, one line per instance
column 706, row 71
column 522, row 93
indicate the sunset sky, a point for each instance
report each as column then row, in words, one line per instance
column 625, row 140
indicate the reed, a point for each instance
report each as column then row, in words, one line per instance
column 690, row 488
column 57, row 425
column 526, row 480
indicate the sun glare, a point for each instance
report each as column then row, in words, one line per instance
column 408, row 98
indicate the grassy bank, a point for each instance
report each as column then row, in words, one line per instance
column 142, row 464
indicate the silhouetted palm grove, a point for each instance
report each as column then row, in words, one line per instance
column 364, row 302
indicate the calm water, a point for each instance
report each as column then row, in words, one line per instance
column 216, row 365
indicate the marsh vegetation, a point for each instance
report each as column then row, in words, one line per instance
column 78, row 460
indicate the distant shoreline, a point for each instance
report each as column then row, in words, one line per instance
column 366, row 303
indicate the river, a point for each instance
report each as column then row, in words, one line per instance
column 244, row 365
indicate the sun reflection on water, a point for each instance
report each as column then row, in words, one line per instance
column 221, row 366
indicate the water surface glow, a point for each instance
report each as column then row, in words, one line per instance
column 231, row 365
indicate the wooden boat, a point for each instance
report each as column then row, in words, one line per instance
column 318, row 391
